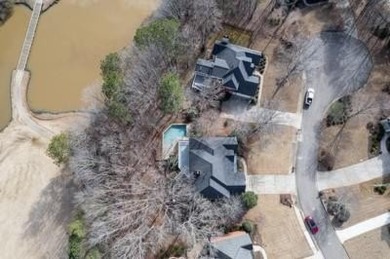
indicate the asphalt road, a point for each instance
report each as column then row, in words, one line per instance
column 334, row 65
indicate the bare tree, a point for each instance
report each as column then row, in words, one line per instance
column 198, row 18
column 237, row 12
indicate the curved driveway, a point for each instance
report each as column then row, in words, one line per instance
column 334, row 65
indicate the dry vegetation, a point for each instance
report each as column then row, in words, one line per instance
column 374, row 244
column 278, row 227
column 349, row 143
column 262, row 158
column 362, row 201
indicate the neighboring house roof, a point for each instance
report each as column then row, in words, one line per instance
column 386, row 124
column 213, row 163
column 235, row 65
column 235, row 245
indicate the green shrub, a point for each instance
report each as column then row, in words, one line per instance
column 247, row 227
column 59, row 149
column 338, row 112
column 162, row 32
column 76, row 237
column 119, row 111
column 174, row 251
column 376, row 134
column 380, row 189
column 112, row 75
column 171, row 93
column 249, row 199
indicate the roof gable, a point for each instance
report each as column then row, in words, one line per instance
column 235, row 65
column 213, row 163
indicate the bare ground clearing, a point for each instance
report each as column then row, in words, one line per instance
column 278, row 226
column 374, row 244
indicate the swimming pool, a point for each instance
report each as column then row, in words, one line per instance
column 172, row 135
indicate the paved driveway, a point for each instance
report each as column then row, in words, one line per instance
column 334, row 65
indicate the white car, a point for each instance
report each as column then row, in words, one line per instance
column 309, row 96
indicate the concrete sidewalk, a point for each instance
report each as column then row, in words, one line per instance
column 355, row 174
column 271, row 184
column 363, row 227
column 252, row 116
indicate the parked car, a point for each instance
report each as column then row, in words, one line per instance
column 311, row 225
column 309, row 97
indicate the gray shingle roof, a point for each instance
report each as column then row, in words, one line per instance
column 237, row 245
column 213, row 162
column 234, row 65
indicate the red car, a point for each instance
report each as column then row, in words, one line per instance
column 311, row 225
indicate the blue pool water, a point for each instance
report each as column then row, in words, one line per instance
column 173, row 134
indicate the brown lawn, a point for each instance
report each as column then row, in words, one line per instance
column 278, row 226
column 374, row 244
column 272, row 154
column 363, row 202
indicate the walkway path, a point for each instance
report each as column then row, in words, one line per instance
column 363, row 227
column 355, row 174
column 271, row 184
column 28, row 40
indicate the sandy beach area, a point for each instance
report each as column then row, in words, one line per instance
column 35, row 194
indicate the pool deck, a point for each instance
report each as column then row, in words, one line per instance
column 167, row 151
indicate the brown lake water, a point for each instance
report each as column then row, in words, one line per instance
column 71, row 39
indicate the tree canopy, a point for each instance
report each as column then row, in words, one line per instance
column 171, row 93
column 112, row 75
column 162, row 32
column 59, row 149
column 249, row 199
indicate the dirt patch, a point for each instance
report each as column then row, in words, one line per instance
column 374, row 244
column 278, row 226
column 272, row 153
column 362, row 201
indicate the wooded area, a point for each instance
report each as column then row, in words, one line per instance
column 135, row 205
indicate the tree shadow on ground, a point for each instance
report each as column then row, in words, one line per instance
column 50, row 215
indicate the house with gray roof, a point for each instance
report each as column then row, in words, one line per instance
column 386, row 124
column 212, row 163
column 233, row 66
column 235, row 245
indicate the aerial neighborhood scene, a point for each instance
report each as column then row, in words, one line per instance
column 221, row 129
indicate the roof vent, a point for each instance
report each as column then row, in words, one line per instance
column 196, row 173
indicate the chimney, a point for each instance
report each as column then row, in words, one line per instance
column 225, row 40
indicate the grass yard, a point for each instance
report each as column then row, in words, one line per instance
column 278, row 226
column 374, row 244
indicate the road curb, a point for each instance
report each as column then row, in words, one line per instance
column 313, row 246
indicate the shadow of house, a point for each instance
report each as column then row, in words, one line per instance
column 233, row 66
column 212, row 163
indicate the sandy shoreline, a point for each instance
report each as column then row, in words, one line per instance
column 35, row 195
